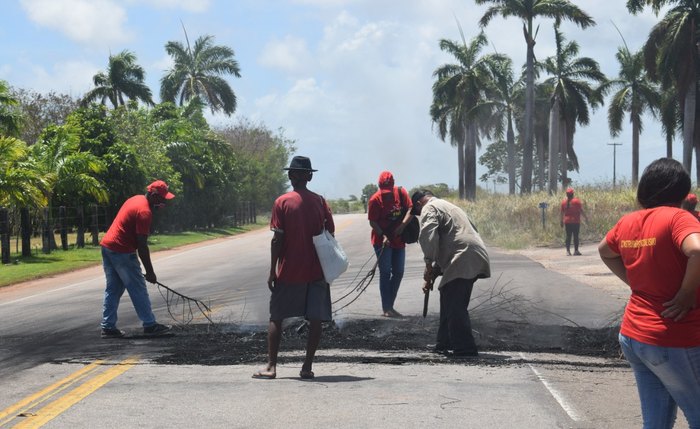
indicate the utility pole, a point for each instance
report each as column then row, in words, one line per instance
column 614, row 145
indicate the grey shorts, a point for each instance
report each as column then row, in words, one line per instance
column 311, row 300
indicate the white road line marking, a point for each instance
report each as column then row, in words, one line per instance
column 573, row 414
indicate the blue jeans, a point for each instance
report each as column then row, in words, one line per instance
column 667, row 378
column 391, row 266
column 123, row 271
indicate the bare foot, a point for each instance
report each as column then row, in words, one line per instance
column 266, row 374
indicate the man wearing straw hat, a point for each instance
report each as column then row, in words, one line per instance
column 296, row 278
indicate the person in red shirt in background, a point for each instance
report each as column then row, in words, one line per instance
column 656, row 251
column 127, row 236
column 389, row 211
column 689, row 203
column 296, row 277
column 570, row 219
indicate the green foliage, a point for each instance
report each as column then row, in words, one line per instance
column 440, row 190
column 10, row 115
column 197, row 74
column 41, row 110
column 123, row 80
column 21, row 183
column 261, row 156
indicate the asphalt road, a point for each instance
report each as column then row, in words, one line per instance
column 56, row 371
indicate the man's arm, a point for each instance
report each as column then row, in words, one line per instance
column 612, row 260
column 275, row 251
column 145, row 256
column 686, row 297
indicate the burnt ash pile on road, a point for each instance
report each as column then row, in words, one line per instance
column 358, row 340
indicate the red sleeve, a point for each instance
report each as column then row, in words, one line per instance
column 276, row 219
column 407, row 199
column 682, row 225
column 612, row 238
column 374, row 209
column 143, row 222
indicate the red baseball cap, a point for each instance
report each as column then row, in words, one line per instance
column 386, row 180
column 692, row 198
column 570, row 191
column 161, row 188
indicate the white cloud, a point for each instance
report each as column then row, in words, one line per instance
column 92, row 22
column 198, row 6
column 75, row 77
column 290, row 54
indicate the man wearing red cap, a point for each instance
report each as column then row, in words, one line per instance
column 389, row 211
column 127, row 236
column 570, row 219
column 689, row 204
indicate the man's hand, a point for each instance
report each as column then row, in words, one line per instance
column 271, row 280
column 151, row 277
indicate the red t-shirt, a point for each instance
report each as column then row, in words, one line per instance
column 384, row 208
column 649, row 242
column 299, row 215
column 572, row 213
column 134, row 218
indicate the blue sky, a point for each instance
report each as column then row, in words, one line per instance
column 348, row 80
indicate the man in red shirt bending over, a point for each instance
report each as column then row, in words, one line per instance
column 127, row 236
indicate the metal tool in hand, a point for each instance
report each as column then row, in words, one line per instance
column 427, row 287
column 174, row 299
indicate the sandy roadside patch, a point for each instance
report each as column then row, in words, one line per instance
column 587, row 269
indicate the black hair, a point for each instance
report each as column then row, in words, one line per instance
column 420, row 194
column 664, row 183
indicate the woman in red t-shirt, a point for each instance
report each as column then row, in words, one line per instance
column 570, row 218
column 656, row 251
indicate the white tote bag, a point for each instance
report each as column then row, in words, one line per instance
column 333, row 259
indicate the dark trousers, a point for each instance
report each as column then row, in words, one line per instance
column 455, row 331
column 572, row 229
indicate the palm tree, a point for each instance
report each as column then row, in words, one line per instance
column 670, row 115
column 572, row 94
column 671, row 57
column 10, row 117
column 500, row 102
column 21, row 184
column 124, row 79
column 197, row 73
column 635, row 94
column 456, row 91
column 70, row 174
column 527, row 11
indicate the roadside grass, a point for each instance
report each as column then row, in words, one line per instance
column 515, row 221
column 60, row 261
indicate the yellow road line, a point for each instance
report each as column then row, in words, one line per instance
column 344, row 225
column 46, row 393
column 58, row 406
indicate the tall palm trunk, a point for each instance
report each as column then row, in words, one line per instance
column 526, row 183
column 510, row 141
column 540, row 141
column 460, row 166
column 688, row 125
column 635, row 153
column 554, row 123
column 566, row 136
column 470, row 163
